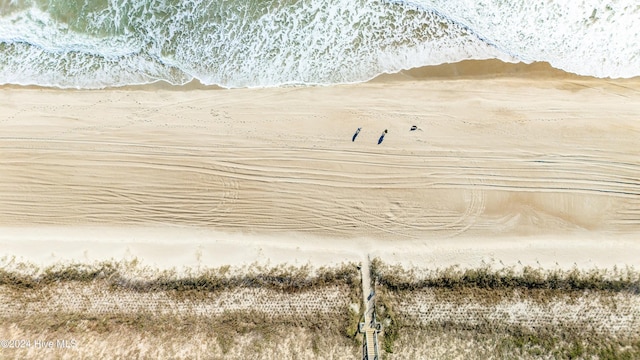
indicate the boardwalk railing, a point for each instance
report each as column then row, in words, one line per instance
column 370, row 327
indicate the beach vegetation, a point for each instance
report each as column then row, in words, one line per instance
column 396, row 288
column 283, row 278
column 397, row 278
column 389, row 319
column 189, row 287
column 481, row 290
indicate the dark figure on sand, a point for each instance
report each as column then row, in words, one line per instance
column 356, row 134
column 414, row 128
column 382, row 136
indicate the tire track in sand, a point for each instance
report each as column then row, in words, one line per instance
column 341, row 192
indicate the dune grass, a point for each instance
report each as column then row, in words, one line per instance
column 396, row 278
column 488, row 288
column 336, row 327
column 235, row 334
column 289, row 279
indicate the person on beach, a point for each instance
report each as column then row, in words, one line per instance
column 356, row 134
column 382, row 136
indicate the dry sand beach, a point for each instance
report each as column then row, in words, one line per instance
column 507, row 156
column 511, row 166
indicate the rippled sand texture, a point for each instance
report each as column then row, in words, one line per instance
column 506, row 156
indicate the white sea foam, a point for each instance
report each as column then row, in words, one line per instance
column 586, row 37
column 41, row 51
column 263, row 44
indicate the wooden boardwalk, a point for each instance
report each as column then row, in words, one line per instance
column 369, row 326
column 371, row 344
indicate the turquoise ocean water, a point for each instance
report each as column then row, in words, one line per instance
column 265, row 43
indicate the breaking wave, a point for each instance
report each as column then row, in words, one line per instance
column 266, row 43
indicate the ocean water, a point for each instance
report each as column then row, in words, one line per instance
column 266, row 43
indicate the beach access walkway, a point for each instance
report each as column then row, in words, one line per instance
column 370, row 327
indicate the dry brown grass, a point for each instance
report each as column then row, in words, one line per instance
column 533, row 313
column 397, row 278
column 127, row 275
column 452, row 343
column 145, row 336
column 119, row 310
